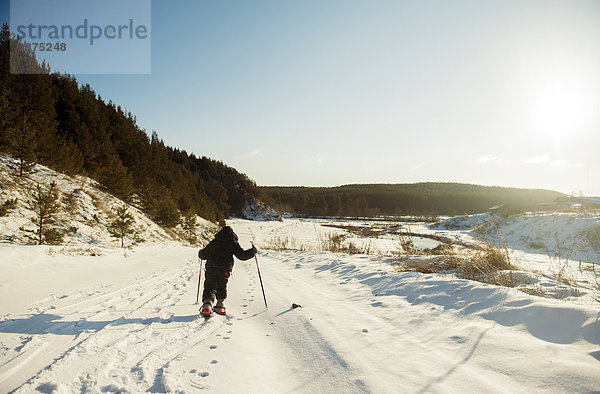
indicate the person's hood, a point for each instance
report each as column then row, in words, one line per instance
column 226, row 234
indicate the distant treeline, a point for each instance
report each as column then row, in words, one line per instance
column 49, row 119
column 401, row 199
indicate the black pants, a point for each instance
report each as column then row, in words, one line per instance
column 215, row 283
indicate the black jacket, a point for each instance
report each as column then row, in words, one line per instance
column 220, row 251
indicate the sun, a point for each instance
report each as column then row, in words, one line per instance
column 561, row 107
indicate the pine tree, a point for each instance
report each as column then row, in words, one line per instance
column 4, row 50
column 159, row 204
column 69, row 158
column 5, row 110
column 122, row 225
column 114, row 176
column 189, row 227
column 22, row 144
column 45, row 204
column 7, row 206
column 30, row 132
column 167, row 213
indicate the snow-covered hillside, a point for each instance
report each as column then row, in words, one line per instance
column 129, row 324
column 575, row 236
column 85, row 215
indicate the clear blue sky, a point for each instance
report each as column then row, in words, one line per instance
column 334, row 92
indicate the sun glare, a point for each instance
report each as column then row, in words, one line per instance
column 561, row 108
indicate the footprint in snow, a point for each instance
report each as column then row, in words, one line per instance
column 203, row 374
column 214, row 362
column 47, row 388
column 212, row 347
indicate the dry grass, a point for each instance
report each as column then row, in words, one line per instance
column 328, row 242
column 534, row 291
column 99, row 204
column 488, row 264
column 536, row 245
column 592, row 237
column 407, row 244
column 429, row 265
column 334, row 242
column 367, row 232
column 284, row 243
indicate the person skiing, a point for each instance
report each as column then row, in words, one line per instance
column 219, row 262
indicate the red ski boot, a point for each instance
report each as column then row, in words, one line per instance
column 220, row 308
column 206, row 309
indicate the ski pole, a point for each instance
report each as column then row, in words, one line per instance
column 199, row 275
column 260, row 278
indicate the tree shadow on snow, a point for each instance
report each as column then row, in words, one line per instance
column 453, row 368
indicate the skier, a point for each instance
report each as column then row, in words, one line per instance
column 219, row 262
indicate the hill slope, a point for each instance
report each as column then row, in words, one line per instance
column 85, row 215
column 396, row 199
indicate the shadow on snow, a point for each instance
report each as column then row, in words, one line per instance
column 53, row 324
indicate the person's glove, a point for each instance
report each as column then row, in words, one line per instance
column 254, row 249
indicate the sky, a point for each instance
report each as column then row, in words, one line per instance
column 324, row 93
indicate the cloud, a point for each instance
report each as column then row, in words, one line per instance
column 565, row 163
column 250, row 155
column 545, row 159
column 489, row 159
column 541, row 159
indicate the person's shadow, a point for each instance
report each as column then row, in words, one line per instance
column 52, row 324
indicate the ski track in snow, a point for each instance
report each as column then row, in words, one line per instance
column 361, row 328
column 99, row 330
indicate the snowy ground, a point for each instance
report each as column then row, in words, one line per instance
column 127, row 323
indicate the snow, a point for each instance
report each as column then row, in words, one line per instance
column 116, row 323
column 258, row 211
column 553, row 233
column 91, row 317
